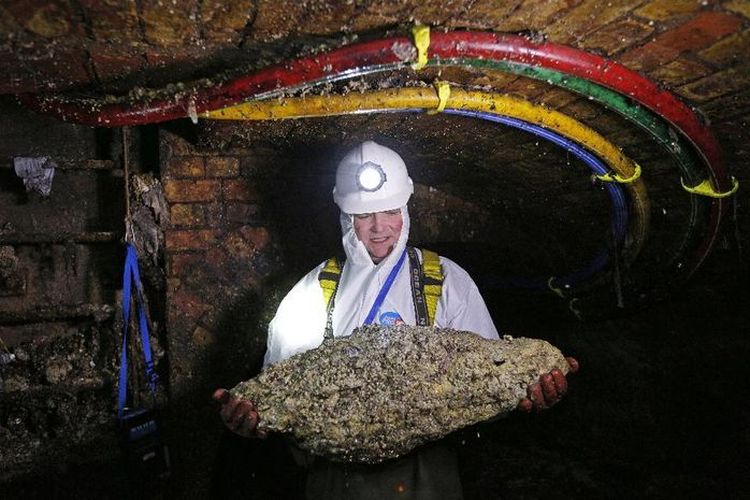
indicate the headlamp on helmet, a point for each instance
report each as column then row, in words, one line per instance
column 370, row 177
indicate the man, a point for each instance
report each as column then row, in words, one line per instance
column 376, row 286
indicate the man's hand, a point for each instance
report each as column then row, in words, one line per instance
column 548, row 390
column 239, row 415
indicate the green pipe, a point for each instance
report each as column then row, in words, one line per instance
column 678, row 147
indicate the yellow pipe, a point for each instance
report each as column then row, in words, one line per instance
column 426, row 98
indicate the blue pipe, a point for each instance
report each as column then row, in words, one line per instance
column 616, row 194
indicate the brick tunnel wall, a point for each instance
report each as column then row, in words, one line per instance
column 217, row 246
column 59, row 276
column 218, row 251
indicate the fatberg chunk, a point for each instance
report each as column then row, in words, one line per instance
column 381, row 392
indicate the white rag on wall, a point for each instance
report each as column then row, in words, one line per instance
column 37, row 173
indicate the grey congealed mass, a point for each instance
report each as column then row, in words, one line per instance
column 380, row 392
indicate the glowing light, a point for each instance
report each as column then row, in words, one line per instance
column 370, row 176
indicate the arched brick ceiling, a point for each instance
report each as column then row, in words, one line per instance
column 695, row 46
column 698, row 49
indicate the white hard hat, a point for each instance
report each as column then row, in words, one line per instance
column 371, row 178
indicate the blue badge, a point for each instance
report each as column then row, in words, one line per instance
column 390, row 318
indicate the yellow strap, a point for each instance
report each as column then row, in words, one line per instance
column 432, row 265
column 558, row 291
column 609, row 177
column 444, row 93
column 431, row 269
column 574, row 309
column 422, row 42
column 332, row 266
column 329, row 284
column 706, row 189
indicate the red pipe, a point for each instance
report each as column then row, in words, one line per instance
column 589, row 67
column 390, row 51
column 272, row 78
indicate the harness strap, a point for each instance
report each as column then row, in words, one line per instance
column 417, row 288
column 433, row 282
column 329, row 278
column 426, row 284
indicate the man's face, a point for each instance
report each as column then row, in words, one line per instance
column 379, row 232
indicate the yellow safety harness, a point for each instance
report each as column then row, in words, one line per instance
column 427, row 285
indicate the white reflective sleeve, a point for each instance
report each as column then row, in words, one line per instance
column 300, row 320
column 461, row 306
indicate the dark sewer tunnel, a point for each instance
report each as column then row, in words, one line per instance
column 640, row 280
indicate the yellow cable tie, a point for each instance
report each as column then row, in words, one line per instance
column 443, row 92
column 706, row 189
column 574, row 309
column 621, row 180
column 421, row 35
column 556, row 290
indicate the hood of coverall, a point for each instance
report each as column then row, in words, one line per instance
column 356, row 252
column 361, row 277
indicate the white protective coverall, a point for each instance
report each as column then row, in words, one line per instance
column 300, row 320
column 431, row 472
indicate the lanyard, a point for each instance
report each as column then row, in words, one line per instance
column 130, row 275
column 384, row 291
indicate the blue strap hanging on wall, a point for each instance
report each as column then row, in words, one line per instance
column 132, row 275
